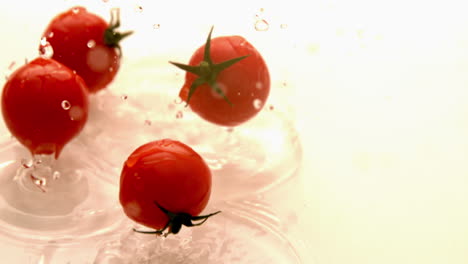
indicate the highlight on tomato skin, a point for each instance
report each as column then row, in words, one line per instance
column 45, row 105
column 234, row 86
column 86, row 43
column 165, row 184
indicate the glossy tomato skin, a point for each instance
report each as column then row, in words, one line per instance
column 45, row 105
column 77, row 40
column 246, row 83
column 168, row 173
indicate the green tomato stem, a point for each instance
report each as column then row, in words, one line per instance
column 207, row 71
column 112, row 37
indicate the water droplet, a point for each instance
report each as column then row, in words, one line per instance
column 124, row 97
column 66, row 105
column 76, row 113
column 257, row 103
column 75, row 10
column 26, row 163
column 12, row 64
column 179, row 114
column 261, row 25
column 139, row 9
column 157, row 26
column 50, row 35
column 284, row 26
column 219, row 90
column 56, row 175
column 40, row 182
column 45, row 49
column 259, row 85
column 91, row 43
column 148, row 122
column 111, row 69
column 9, row 69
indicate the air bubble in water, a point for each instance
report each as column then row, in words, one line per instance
column 179, row 114
column 75, row 10
column 66, row 105
column 45, row 49
column 50, row 35
column 91, row 43
column 124, row 97
column 262, row 25
column 139, row 9
column 157, row 26
column 257, row 103
column 111, row 69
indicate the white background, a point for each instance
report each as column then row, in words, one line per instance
column 378, row 90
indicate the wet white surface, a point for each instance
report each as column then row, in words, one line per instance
column 377, row 91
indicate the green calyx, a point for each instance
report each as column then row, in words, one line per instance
column 176, row 221
column 112, row 37
column 207, row 71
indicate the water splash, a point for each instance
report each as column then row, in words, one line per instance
column 45, row 49
column 227, row 239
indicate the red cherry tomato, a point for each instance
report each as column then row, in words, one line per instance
column 45, row 105
column 238, row 89
column 165, row 184
column 87, row 44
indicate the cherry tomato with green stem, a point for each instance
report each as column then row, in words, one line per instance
column 227, row 81
column 165, row 185
column 86, row 43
